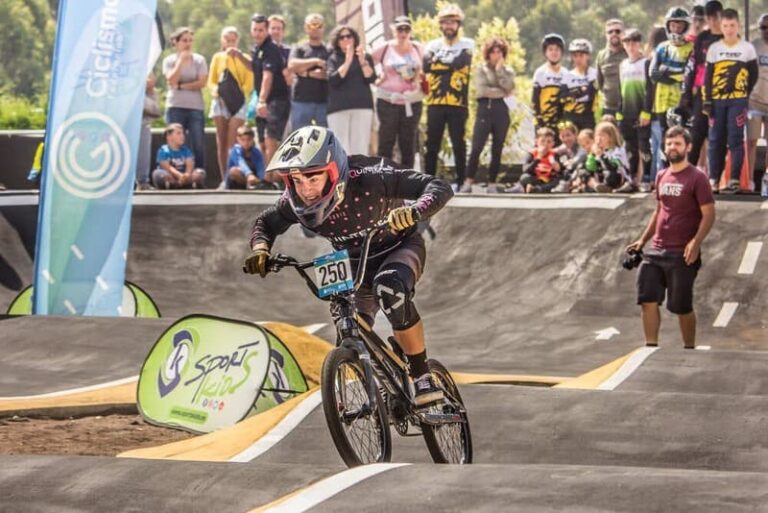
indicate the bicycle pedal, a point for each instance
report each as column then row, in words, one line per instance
column 436, row 419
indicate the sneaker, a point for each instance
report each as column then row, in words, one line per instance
column 627, row 187
column 455, row 187
column 515, row 189
column 732, row 188
column 602, row 188
column 713, row 184
column 144, row 187
column 425, row 391
column 645, row 187
column 563, row 186
column 466, row 188
column 222, row 186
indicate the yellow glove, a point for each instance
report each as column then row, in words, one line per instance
column 256, row 263
column 402, row 218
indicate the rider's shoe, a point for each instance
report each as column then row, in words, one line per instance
column 425, row 391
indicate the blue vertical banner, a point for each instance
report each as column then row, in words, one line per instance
column 94, row 118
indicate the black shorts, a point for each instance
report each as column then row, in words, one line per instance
column 411, row 254
column 666, row 273
column 278, row 112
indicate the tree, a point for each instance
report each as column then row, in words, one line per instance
column 25, row 47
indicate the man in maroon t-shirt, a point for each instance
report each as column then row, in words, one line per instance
column 685, row 212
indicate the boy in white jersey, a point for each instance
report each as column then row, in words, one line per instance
column 580, row 86
column 548, row 82
column 730, row 77
column 634, row 118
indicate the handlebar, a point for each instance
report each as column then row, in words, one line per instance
column 279, row 261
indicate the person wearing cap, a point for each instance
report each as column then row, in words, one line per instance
column 580, row 86
column 547, row 95
column 634, row 119
column 447, row 62
column 398, row 92
column 309, row 104
column 608, row 61
column 268, row 63
column 693, row 80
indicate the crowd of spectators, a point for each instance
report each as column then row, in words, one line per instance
column 599, row 126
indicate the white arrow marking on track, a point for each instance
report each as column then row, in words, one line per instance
column 607, row 333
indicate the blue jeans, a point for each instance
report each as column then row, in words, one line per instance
column 303, row 113
column 657, row 149
column 726, row 126
column 193, row 122
column 144, row 158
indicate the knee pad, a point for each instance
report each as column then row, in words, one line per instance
column 393, row 288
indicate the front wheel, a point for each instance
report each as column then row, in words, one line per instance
column 450, row 442
column 358, row 424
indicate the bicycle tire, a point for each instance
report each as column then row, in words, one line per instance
column 436, row 436
column 352, row 437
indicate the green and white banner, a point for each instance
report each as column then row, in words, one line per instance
column 136, row 303
column 205, row 373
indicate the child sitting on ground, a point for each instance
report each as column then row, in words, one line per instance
column 570, row 155
column 579, row 175
column 607, row 166
column 176, row 163
column 541, row 168
column 245, row 165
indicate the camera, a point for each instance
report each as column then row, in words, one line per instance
column 632, row 259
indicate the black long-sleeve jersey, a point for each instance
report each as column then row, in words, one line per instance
column 374, row 188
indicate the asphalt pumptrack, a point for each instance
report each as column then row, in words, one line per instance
column 523, row 299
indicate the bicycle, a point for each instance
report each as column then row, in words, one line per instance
column 365, row 381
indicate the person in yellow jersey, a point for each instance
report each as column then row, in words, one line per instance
column 447, row 63
column 548, row 87
column 227, row 122
column 730, row 77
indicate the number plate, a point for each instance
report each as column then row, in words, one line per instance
column 333, row 274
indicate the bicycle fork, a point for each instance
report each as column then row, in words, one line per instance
column 349, row 334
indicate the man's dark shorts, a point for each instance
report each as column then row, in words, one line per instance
column 666, row 273
column 278, row 112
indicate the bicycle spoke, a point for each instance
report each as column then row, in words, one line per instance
column 449, row 435
column 363, row 430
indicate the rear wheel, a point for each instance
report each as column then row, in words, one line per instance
column 450, row 442
column 358, row 424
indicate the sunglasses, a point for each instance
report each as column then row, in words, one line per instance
column 346, row 36
column 404, row 28
column 314, row 26
column 613, row 31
